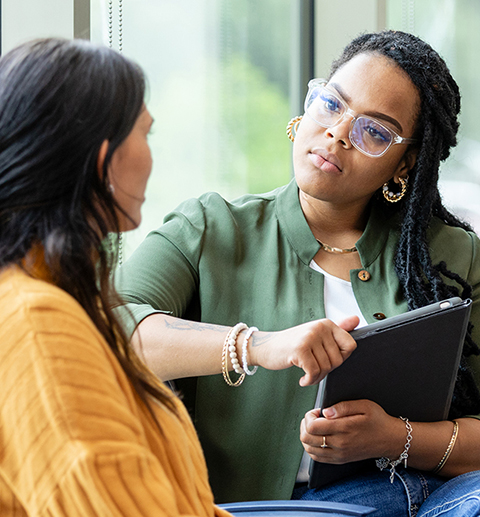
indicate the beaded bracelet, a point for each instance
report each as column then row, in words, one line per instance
column 250, row 331
column 229, row 349
column 449, row 450
column 384, row 463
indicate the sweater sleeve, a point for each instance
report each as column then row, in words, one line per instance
column 72, row 438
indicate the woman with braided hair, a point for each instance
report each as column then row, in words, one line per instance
column 360, row 233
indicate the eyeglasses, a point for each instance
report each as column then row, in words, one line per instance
column 367, row 134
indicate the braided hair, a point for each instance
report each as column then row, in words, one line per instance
column 436, row 131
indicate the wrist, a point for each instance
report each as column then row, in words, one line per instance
column 230, row 351
column 387, row 463
column 254, row 351
column 245, row 347
column 396, row 438
column 238, row 345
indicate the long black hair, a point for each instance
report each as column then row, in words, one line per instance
column 59, row 101
column 436, row 131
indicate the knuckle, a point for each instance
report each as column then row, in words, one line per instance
column 308, row 448
column 309, row 427
column 326, row 366
column 315, row 370
column 303, row 346
column 337, row 361
column 322, row 376
column 304, row 435
column 320, row 328
column 343, row 407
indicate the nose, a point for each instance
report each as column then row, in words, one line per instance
column 340, row 131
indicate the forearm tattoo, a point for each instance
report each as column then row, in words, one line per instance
column 179, row 324
column 261, row 339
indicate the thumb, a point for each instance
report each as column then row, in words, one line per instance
column 343, row 409
column 349, row 323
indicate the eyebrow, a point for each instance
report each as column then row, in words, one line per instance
column 376, row 114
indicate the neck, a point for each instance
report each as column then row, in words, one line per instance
column 338, row 225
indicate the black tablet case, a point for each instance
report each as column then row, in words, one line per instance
column 407, row 364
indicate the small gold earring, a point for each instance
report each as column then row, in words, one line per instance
column 292, row 127
column 390, row 196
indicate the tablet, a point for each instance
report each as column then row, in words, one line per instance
column 407, row 364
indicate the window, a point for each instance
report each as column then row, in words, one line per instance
column 452, row 28
column 225, row 76
column 219, row 87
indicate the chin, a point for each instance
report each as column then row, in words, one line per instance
column 309, row 181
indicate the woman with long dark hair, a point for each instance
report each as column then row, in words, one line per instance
column 85, row 428
column 359, row 234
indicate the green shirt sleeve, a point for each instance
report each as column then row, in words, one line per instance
column 473, row 279
column 161, row 275
column 460, row 250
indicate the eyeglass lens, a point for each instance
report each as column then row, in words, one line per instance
column 367, row 134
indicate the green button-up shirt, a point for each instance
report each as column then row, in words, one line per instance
column 248, row 260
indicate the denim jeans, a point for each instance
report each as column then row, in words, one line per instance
column 459, row 497
column 412, row 494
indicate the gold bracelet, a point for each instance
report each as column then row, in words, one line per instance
column 449, row 450
column 230, row 340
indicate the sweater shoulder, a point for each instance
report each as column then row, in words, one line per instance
column 21, row 294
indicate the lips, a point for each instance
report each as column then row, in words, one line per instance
column 325, row 161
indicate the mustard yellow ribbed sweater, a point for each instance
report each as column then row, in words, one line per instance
column 74, row 439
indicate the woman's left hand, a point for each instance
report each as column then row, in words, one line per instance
column 353, row 430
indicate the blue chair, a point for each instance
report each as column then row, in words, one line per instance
column 294, row 509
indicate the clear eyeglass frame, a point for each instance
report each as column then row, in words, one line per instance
column 322, row 83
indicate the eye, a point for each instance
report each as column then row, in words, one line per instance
column 377, row 134
column 374, row 132
column 330, row 103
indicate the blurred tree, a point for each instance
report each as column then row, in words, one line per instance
column 255, row 112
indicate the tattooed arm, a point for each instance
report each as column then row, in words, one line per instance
column 163, row 275
column 174, row 348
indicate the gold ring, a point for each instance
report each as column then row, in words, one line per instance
column 324, row 443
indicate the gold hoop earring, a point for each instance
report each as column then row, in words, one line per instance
column 390, row 196
column 292, row 127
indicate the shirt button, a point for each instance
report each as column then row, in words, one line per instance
column 364, row 275
column 379, row 316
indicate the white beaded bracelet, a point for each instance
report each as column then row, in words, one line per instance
column 229, row 349
column 249, row 333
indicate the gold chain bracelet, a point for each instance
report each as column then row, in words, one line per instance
column 449, row 450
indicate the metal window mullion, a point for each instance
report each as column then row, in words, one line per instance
column 81, row 19
column 302, row 55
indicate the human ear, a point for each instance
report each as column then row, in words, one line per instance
column 102, row 153
column 406, row 164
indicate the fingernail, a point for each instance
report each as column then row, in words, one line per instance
column 329, row 412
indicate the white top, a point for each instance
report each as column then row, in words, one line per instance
column 339, row 299
column 340, row 303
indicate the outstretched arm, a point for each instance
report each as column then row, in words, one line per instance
column 174, row 348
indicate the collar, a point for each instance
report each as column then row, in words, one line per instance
column 295, row 227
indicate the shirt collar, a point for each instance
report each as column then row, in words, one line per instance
column 300, row 237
